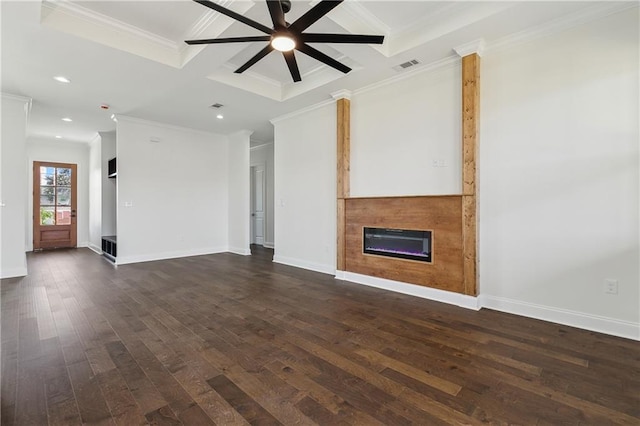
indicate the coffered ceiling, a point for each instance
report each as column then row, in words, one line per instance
column 131, row 55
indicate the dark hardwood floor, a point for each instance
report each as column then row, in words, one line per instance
column 228, row 339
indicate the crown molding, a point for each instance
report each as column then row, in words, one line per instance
column 447, row 20
column 475, row 46
column 581, row 17
column 135, row 120
column 444, row 63
column 245, row 132
column 259, row 84
column 261, row 144
column 341, row 94
column 81, row 21
column 12, row 97
column 75, row 10
column 302, row 111
column 357, row 19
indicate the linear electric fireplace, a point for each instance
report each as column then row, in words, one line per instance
column 400, row 243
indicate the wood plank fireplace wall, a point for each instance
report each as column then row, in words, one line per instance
column 452, row 218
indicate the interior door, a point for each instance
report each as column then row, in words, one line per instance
column 54, row 205
column 257, row 204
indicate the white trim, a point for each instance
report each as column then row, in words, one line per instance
column 341, row 94
column 302, row 111
column 449, row 61
column 95, row 248
column 304, row 264
column 96, row 18
column 82, row 244
column 475, row 46
column 19, row 98
column 600, row 324
column 262, row 145
column 173, row 127
column 268, row 244
column 563, row 23
column 14, row 272
column 240, row 251
column 169, row 255
column 462, row 300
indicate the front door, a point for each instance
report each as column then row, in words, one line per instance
column 54, row 205
column 257, row 204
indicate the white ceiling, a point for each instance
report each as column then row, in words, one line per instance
column 131, row 55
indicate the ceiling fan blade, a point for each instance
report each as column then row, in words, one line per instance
column 277, row 14
column 313, row 14
column 234, row 15
column 341, row 38
column 261, row 54
column 293, row 65
column 229, row 40
column 316, row 54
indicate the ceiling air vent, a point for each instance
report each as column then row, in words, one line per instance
column 403, row 66
column 216, row 106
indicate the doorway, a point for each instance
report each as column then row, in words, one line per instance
column 54, row 205
column 258, row 192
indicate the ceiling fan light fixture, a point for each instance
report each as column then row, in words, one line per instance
column 283, row 43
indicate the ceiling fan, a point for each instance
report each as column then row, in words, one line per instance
column 286, row 37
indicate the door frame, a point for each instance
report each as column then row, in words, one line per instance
column 252, row 232
column 35, row 199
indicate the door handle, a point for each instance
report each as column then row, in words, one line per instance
column 253, row 214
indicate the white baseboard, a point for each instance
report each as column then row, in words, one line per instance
column 169, row 255
column 615, row 327
column 240, row 251
column 95, row 248
column 14, row 272
column 600, row 324
column 299, row 263
column 268, row 244
column 83, row 244
column 462, row 300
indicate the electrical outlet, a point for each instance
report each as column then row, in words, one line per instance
column 610, row 286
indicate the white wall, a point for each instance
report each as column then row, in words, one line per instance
column 173, row 193
column 95, row 194
column 305, row 189
column 13, row 188
column 61, row 151
column 239, row 193
column 109, row 185
column 263, row 154
column 398, row 130
column 559, row 179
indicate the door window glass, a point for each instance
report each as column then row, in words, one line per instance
column 55, row 196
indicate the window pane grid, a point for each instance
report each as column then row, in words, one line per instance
column 55, row 195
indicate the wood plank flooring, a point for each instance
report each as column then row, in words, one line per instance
column 227, row 339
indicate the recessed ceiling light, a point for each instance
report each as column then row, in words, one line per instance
column 61, row 79
column 67, row 119
column 219, row 116
column 58, row 137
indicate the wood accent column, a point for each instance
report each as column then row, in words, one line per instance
column 343, row 181
column 470, row 126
